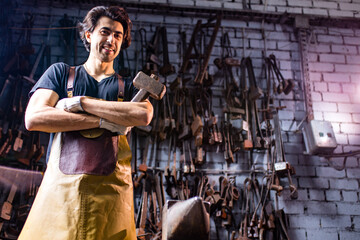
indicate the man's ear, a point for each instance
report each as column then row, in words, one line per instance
column 88, row 36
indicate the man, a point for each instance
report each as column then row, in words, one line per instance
column 87, row 190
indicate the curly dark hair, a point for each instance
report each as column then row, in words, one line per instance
column 115, row 13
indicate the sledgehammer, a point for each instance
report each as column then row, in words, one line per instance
column 148, row 86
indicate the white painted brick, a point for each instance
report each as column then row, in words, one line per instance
column 325, row 106
column 336, row 97
column 332, row 195
column 341, row 31
column 154, row 1
column 295, row 10
column 329, row 39
column 318, row 115
column 277, row 2
column 321, row 67
column 316, row 97
column 342, row 139
column 234, row 23
column 352, row 162
column 256, row 43
column 341, row 184
column 317, row 195
column 335, row 221
column 262, row 8
column 349, row 88
column 305, row 221
column 329, row 172
column 336, row 13
column 348, row 209
column 336, row 77
column 176, row 20
column 353, row 173
column 212, row 4
column 350, row 128
column 183, row 2
column 352, row 40
column 271, row 45
column 319, row 48
column 332, row 58
column 299, row 3
column 350, row 196
column 285, row 45
column 347, row 50
column 353, row 59
column 313, row 57
column 338, row 117
column 335, row 87
column 356, row 221
column 315, row 11
column 278, row 36
column 349, row 6
column 320, row 208
column 336, row 127
column 349, row 234
column 315, row 76
column 321, row 234
column 286, row 115
column 286, row 65
column 150, row 18
column 355, row 98
column 356, row 118
column 319, row 183
column 354, row 139
column 325, row 4
column 320, row 86
column 233, row 5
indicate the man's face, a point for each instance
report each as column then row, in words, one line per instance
column 106, row 39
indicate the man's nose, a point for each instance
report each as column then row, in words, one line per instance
column 110, row 38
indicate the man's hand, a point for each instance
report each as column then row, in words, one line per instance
column 72, row 104
column 113, row 127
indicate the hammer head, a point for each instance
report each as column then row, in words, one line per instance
column 151, row 85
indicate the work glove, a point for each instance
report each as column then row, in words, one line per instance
column 72, row 104
column 113, row 127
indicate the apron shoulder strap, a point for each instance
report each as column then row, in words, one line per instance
column 121, row 86
column 70, row 82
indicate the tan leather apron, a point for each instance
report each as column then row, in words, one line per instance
column 83, row 206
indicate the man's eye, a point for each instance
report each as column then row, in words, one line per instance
column 104, row 32
column 117, row 36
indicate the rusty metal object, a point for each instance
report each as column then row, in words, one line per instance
column 148, row 86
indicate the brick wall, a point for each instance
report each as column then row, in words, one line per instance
column 328, row 202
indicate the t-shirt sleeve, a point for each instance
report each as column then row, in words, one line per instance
column 53, row 79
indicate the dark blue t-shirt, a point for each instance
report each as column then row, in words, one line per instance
column 56, row 76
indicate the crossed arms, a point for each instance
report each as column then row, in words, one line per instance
column 41, row 114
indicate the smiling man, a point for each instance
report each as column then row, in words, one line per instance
column 87, row 190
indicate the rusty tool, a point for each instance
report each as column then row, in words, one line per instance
column 148, row 86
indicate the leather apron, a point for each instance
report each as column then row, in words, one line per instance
column 83, row 206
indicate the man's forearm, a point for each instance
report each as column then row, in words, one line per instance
column 123, row 113
column 57, row 120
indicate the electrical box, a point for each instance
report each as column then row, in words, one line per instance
column 319, row 137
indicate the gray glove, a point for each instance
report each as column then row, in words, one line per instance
column 113, row 127
column 72, row 104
